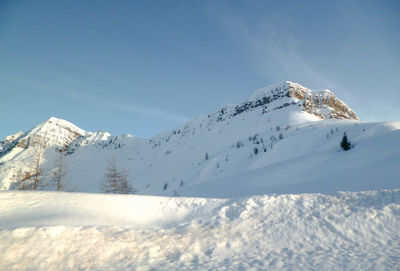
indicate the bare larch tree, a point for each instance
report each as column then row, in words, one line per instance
column 22, row 177
column 38, row 144
column 116, row 181
column 60, row 169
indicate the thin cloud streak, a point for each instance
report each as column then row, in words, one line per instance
column 143, row 110
column 273, row 51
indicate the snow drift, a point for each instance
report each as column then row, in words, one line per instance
column 75, row 231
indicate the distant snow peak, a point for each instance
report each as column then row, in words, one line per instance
column 54, row 132
column 53, row 122
column 56, row 126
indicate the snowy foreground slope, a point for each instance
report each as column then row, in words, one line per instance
column 77, row 231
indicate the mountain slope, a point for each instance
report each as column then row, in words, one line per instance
column 283, row 139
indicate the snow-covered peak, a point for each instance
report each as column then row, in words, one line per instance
column 323, row 104
column 271, row 91
column 54, row 123
column 53, row 132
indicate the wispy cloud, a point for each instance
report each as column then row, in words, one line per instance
column 88, row 95
column 273, row 50
column 144, row 110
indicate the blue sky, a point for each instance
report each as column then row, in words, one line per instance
column 143, row 67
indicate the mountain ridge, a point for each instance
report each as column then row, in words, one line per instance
column 260, row 97
column 277, row 128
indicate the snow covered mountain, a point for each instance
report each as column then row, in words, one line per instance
column 283, row 139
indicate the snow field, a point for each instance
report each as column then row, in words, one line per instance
column 65, row 231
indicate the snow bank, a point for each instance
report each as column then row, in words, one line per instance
column 76, row 231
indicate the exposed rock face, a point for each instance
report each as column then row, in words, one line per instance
column 321, row 103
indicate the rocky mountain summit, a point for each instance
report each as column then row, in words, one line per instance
column 324, row 104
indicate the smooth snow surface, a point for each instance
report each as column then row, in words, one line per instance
column 77, row 231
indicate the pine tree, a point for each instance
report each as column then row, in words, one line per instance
column 345, row 143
